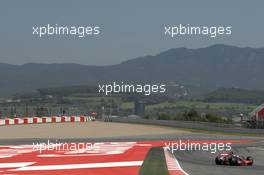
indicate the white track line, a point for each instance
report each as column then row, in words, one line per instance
column 15, row 165
column 79, row 166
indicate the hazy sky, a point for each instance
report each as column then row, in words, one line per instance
column 128, row 28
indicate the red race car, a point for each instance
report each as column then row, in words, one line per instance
column 231, row 159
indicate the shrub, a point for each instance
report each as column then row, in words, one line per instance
column 191, row 115
column 217, row 118
column 164, row 116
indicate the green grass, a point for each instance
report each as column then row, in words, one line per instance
column 221, row 133
column 193, row 104
column 89, row 98
column 202, row 105
column 178, row 104
column 155, row 163
column 127, row 105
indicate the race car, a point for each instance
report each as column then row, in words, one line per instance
column 230, row 158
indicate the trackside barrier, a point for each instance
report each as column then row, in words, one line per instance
column 44, row 119
column 52, row 119
column 7, row 122
column 2, row 122
column 72, row 118
column 25, row 120
column 63, row 119
column 36, row 120
column 18, row 121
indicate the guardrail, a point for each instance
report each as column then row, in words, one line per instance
column 52, row 119
column 216, row 127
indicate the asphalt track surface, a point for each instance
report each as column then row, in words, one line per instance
column 202, row 162
column 192, row 162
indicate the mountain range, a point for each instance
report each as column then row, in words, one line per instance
column 211, row 67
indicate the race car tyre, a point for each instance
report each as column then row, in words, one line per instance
column 233, row 161
column 251, row 159
column 217, row 161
